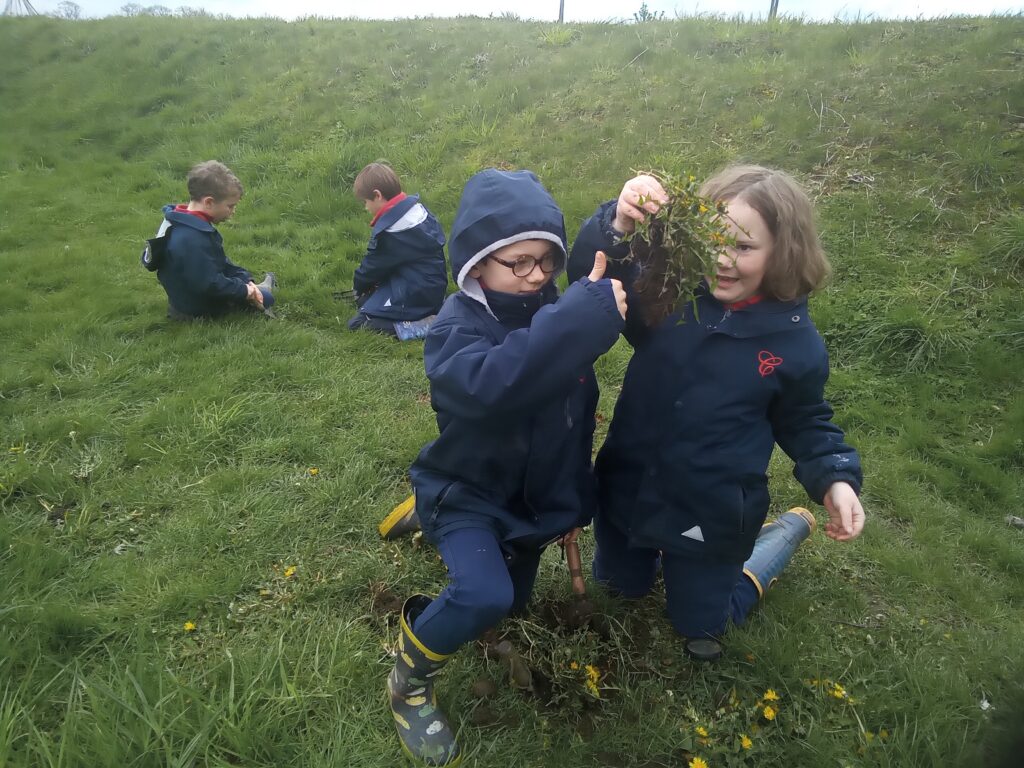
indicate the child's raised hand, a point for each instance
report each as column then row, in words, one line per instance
column 597, row 273
column 845, row 512
column 640, row 195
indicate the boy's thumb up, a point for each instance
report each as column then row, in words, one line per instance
column 600, row 264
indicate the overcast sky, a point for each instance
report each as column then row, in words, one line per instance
column 575, row 10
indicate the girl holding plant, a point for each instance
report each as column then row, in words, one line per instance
column 715, row 382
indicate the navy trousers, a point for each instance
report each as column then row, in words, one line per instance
column 484, row 586
column 701, row 595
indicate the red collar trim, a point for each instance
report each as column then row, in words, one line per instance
column 183, row 208
column 755, row 299
column 388, row 206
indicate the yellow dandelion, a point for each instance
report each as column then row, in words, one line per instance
column 837, row 691
column 750, row 657
column 574, row 665
column 593, row 675
column 771, row 695
column 702, row 731
column 883, row 734
column 768, row 712
column 289, row 571
column 189, row 626
column 745, row 741
column 313, row 471
column 869, row 736
column 698, row 762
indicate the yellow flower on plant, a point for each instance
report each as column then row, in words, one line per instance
column 313, row 471
column 574, row 665
column 837, row 691
column 702, row 731
column 771, row 695
column 745, row 741
column 189, row 626
column 698, row 762
column 883, row 734
column 869, row 736
column 289, row 571
column 768, row 712
column 593, row 675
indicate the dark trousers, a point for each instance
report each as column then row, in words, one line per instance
column 484, row 586
column 701, row 594
column 365, row 322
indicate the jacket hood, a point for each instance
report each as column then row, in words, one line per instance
column 499, row 208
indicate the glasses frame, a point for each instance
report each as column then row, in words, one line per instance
column 533, row 261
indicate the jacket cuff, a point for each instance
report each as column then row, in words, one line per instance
column 818, row 493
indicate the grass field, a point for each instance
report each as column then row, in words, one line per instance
column 230, row 476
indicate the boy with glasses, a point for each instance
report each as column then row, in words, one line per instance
column 511, row 375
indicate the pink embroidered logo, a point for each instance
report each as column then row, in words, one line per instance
column 767, row 362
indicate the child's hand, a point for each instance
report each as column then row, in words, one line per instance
column 254, row 295
column 629, row 210
column 845, row 513
column 597, row 273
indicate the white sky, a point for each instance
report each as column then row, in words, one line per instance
column 575, row 10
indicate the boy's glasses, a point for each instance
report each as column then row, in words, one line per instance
column 524, row 265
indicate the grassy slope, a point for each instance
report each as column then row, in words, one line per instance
column 187, row 449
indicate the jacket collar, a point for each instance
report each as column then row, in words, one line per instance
column 187, row 219
column 392, row 214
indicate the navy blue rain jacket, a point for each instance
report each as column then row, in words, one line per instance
column 515, row 402
column 199, row 278
column 702, row 406
column 404, row 264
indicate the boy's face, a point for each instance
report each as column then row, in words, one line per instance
column 535, row 260
column 375, row 203
column 220, row 210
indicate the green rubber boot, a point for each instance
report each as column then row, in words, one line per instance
column 775, row 546
column 423, row 729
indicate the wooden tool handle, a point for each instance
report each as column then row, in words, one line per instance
column 572, row 557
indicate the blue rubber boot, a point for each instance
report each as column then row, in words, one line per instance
column 775, row 546
column 423, row 729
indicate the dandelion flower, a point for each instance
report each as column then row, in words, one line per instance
column 883, row 734
column 189, row 626
column 702, row 731
column 574, row 665
column 313, row 471
column 745, row 741
column 837, row 691
column 698, row 762
column 768, row 712
column 771, row 695
column 869, row 736
column 289, row 571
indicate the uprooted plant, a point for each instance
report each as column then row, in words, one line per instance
column 677, row 247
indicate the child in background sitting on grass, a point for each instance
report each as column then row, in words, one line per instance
column 199, row 278
column 682, row 474
column 402, row 276
column 510, row 365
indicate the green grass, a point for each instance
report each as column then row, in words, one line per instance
column 153, row 474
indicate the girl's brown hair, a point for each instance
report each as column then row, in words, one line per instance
column 798, row 264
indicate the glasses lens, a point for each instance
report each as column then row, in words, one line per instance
column 524, row 266
column 550, row 262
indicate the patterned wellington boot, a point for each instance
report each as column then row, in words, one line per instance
column 775, row 546
column 401, row 520
column 423, row 729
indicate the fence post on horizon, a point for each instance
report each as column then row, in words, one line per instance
column 773, row 10
column 561, row 11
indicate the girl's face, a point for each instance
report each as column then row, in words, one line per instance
column 741, row 268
